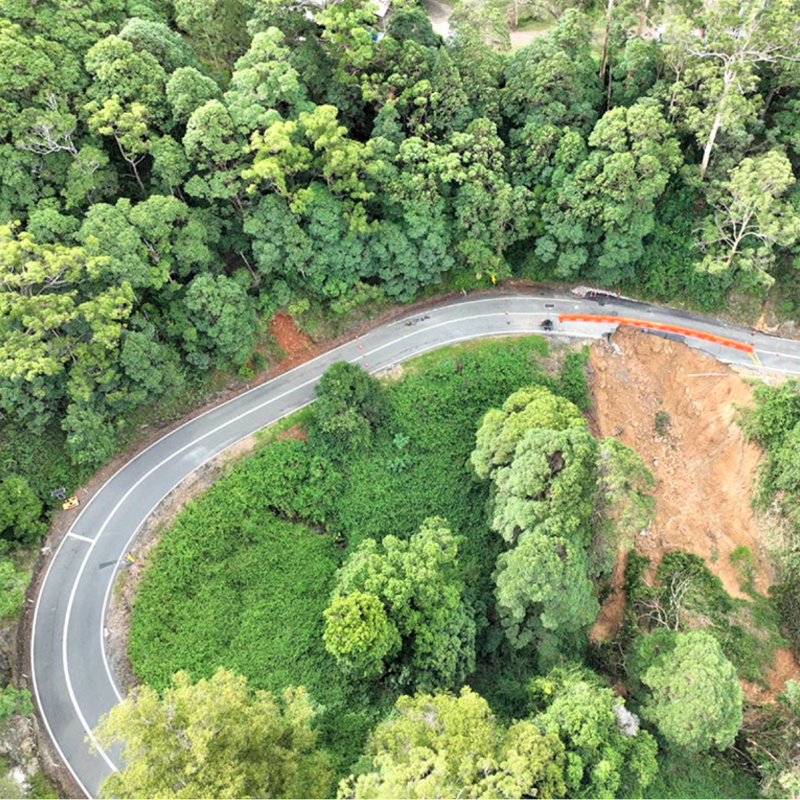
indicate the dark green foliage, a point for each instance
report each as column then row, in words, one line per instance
column 211, row 156
column 706, row 588
column 12, row 588
column 695, row 699
column 189, row 166
column 682, row 775
column 350, row 405
column 20, row 510
column 572, row 383
column 426, row 632
column 787, row 602
column 687, row 595
column 574, row 704
column 774, row 415
column 666, row 271
column 41, row 458
column 774, row 422
column 250, row 598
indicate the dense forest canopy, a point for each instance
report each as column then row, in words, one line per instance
column 174, row 171
column 171, row 172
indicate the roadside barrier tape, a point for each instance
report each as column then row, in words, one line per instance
column 658, row 326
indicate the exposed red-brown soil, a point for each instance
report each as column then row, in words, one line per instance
column 704, row 469
column 297, row 347
column 295, row 432
column 610, row 617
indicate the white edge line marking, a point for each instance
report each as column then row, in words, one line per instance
column 780, row 355
column 503, row 296
column 277, row 419
column 504, row 333
column 411, row 334
column 124, row 466
column 53, row 739
column 103, row 527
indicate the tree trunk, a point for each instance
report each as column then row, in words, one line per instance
column 643, row 18
column 604, row 58
column 768, row 102
column 727, row 82
column 131, row 159
column 710, row 143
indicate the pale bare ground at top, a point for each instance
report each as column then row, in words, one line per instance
column 439, row 15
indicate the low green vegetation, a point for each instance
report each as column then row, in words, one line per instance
column 774, row 422
column 238, row 582
column 682, row 775
column 686, row 595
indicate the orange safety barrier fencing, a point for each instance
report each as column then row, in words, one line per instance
column 658, row 326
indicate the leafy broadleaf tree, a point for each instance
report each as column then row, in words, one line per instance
column 452, row 746
column 350, row 405
column 359, row 634
column 552, row 475
column 696, row 699
column 553, row 81
column 60, row 325
column 187, row 90
column 598, row 215
column 608, row 755
column 503, row 429
column 212, row 739
column 20, row 511
column 222, row 321
column 750, row 217
column 544, row 595
column 422, row 595
column 716, row 81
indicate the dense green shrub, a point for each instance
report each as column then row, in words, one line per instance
column 350, row 404
column 12, row 588
column 683, row 775
column 20, row 512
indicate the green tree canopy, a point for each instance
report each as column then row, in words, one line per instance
column 359, row 634
column 598, row 214
column 751, row 216
column 696, row 699
column 608, row 755
column 20, row 510
column 503, row 429
column 553, row 474
column 350, row 405
column 544, row 595
column 422, row 596
column 214, row 739
column 452, row 746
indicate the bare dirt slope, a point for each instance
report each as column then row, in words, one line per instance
column 704, row 469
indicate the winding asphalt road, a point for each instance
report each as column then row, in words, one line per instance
column 72, row 680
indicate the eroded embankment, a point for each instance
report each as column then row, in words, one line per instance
column 676, row 406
